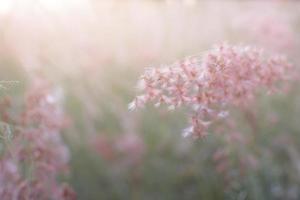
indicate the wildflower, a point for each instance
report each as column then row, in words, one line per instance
column 36, row 146
column 130, row 146
column 226, row 75
column 127, row 149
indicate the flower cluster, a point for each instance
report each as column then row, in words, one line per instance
column 127, row 150
column 36, row 155
column 272, row 29
column 226, row 75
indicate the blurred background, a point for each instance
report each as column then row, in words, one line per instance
column 92, row 52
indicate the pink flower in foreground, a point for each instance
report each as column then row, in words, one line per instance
column 226, row 75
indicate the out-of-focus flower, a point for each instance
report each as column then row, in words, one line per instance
column 126, row 150
column 36, row 155
column 271, row 29
column 132, row 147
column 103, row 147
column 226, row 75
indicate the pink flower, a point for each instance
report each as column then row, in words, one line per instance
column 131, row 147
column 37, row 145
column 103, row 146
column 226, row 75
column 271, row 29
column 127, row 149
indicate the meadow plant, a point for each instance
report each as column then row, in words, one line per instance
column 82, row 46
column 127, row 149
column 270, row 29
column 36, row 155
column 226, row 75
